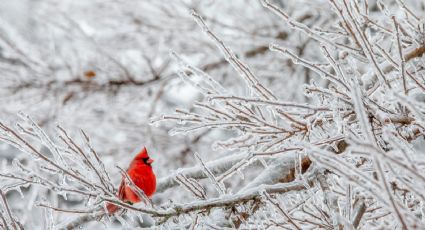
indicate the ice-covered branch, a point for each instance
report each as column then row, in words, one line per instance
column 230, row 200
column 9, row 221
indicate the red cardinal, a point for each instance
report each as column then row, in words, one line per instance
column 141, row 173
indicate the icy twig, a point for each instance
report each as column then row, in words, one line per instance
column 242, row 68
column 218, row 185
column 281, row 210
column 359, row 210
column 9, row 220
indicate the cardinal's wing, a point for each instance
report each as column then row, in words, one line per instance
column 121, row 190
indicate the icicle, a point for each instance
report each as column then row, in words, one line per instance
column 334, row 146
column 240, row 173
column 63, row 194
column 139, row 216
column 18, row 189
column 263, row 162
column 122, row 221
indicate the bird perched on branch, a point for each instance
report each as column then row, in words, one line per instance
column 141, row 173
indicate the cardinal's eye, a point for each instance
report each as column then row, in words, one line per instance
column 145, row 159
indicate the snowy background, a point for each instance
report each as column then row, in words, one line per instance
column 259, row 114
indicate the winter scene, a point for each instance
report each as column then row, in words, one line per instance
column 212, row 114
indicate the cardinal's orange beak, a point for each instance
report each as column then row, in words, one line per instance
column 150, row 161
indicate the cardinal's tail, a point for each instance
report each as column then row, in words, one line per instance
column 112, row 208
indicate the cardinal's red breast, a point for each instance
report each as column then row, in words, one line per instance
column 143, row 177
